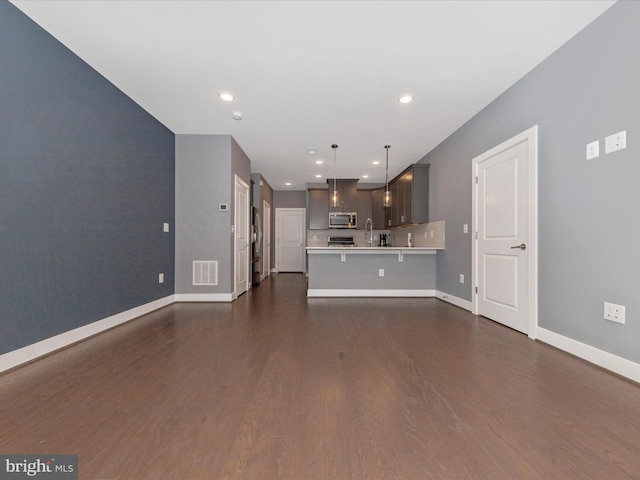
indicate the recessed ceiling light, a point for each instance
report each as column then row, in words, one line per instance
column 375, row 162
column 365, row 176
column 226, row 96
column 288, row 184
column 318, row 176
column 312, row 150
column 405, row 98
column 319, row 162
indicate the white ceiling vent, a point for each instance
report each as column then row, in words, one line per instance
column 205, row 272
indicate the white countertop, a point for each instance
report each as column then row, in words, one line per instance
column 355, row 251
column 380, row 249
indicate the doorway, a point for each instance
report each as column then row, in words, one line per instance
column 241, row 238
column 266, row 240
column 290, row 239
column 504, row 257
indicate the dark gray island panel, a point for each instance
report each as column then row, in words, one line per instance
column 371, row 272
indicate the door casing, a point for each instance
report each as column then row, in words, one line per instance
column 266, row 238
column 530, row 135
column 303, row 231
column 243, row 221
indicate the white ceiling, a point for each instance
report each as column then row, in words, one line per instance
column 313, row 73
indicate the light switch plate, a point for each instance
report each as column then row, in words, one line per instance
column 165, row 227
column 593, row 150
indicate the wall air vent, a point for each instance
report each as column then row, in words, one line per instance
column 205, row 272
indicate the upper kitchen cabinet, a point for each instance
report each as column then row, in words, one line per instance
column 318, row 209
column 378, row 211
column 409, row 196
column 347, row 195
column 363, row 209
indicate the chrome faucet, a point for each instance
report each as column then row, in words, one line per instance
column 369, row 225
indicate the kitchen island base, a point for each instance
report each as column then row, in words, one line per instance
column 371, row 272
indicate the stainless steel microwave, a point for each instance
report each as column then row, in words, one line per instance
column 343, row 220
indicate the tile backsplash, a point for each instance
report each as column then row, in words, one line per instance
column 422, row 235
column 319, row 238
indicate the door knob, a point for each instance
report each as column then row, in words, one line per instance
column 522, row 246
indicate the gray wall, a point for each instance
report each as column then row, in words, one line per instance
column 203, row 232
column 588, row 220
column 86, row 182
column 206, row 166
column 290, row 199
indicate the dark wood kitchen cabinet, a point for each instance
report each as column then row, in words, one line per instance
column 347, row 195
column 363, row 198
column 409, row 196
column 318, row 209
column 378, row 211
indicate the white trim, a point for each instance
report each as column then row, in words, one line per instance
column 203, row 297
column 49, row 345
column 266, row 240
column 239, row 181
column 607, row 360
column 458, row 302
column 530, row 135
column 304, row 235
column 348, row 292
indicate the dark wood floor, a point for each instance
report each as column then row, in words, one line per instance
column 276, row 386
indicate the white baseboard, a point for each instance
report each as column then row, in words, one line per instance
column 203, row 297
column 31, row 352
column 458, row 302
column 328, row 292
column 607, row 360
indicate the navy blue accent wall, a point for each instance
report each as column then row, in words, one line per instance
column 87, row 178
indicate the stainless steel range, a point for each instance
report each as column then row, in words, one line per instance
column 341, row 242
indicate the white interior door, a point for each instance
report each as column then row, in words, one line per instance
column 266, row 239
column 505, row 222
column 290, row 239
column 241, row 230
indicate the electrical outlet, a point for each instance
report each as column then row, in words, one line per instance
column 462, row 278
column 615, row 142
column 614, row 313
column 381, row 272
column 161, row 278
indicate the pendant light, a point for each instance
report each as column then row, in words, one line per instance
column 386, row 198
column 334, row 196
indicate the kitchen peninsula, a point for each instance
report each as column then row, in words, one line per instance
column 371, row 271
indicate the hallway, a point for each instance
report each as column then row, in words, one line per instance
column 278, row 386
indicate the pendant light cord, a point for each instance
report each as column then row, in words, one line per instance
column 334, row 202
column 386, row 173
